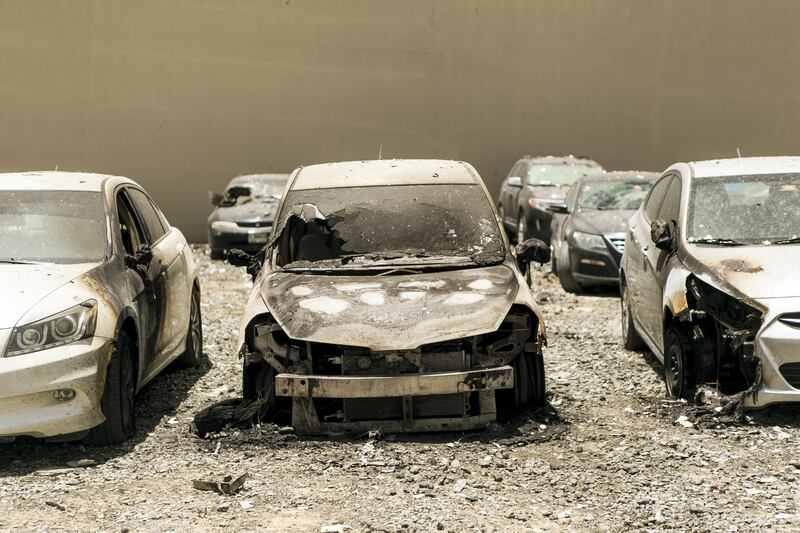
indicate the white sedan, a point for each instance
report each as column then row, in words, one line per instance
column 100, row 295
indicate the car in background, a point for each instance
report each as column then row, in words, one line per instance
column 533, row 184
column 100, row 295
column 589, row 228
column 243, row 215
column 371, row 309
column 709, row 278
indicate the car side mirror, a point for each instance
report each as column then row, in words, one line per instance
column 514, row 181
column 558, row 208
column 662, row 233
column 533, row 250
column 215, row 198
column 141, row 259
column 252, row 263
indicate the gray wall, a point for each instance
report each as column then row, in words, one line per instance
column 181, row 95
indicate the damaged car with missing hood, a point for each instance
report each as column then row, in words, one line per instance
column 389, row 298
column 709, row 279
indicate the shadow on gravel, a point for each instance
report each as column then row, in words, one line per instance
column 159, row 399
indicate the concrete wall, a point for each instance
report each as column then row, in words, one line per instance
column 181, row 95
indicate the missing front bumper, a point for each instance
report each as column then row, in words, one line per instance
column 411, row 393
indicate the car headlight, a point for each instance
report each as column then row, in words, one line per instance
column 589, row 240
column 68, row 326
column 224, row 225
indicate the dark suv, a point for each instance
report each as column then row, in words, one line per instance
column 534, row 184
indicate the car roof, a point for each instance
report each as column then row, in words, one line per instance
column 745, row 166
column 55, row 181
column 249, row 178
column 384, row 172
column 559, row 159
column 616, row 175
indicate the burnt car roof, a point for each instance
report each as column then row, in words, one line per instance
column 561, row 159
column 745, row 166
column 614, row 175
column 384, row 172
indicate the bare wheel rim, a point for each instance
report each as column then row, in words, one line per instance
column 196, row 327
column 674, row 364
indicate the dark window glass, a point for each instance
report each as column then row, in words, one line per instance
column 653, row 203
column 671, row 208
column 129, row 228
column 148, row 214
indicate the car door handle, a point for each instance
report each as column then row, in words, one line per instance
column 645, row 248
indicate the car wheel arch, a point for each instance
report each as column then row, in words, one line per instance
column 127, row 323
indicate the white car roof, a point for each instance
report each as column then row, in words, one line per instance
column 384, row 172
column 54, row 181
column 745, row 166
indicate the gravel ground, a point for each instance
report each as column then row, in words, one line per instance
column 608, row 455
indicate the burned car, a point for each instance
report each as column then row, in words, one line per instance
column 243, row 215
column 388, row 298
column 101, row 295
column 709, row 278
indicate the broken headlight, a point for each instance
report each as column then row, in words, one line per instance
column 68, row 326
column 589, row 240
column 224, row 225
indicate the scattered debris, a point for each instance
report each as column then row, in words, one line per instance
column 228, row 485
column 81, row 463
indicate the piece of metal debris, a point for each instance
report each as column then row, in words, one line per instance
column 683, row 420
column 228, row 485
column 81, row 463
column 459, row 485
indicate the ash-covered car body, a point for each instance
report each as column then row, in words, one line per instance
column 709, row 278
column 244, row 214
column 101, row 296
column 388, row 298
column 589, row 228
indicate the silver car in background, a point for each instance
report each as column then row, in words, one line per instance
column 101, row 295
column 709, row 278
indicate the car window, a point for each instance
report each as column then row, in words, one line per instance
column 572, row 196
column 517, row 170
column 671, row 208
column 155, row 230
column 130, row 231
column 653, row 203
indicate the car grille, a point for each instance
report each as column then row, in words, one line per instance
column 618, row 241
column 791, row 373
column 254, row 224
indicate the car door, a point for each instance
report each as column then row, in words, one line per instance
column 150, row 301
column 168, row 247
column 656, row 261
column 559, row 224
column 509, row 194
column 645, row 300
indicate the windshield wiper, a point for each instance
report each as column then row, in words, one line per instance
column 717, row 241
column 792, row 240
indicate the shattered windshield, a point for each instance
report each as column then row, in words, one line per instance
column 559, row 174
column 760, row 209
column 392, row 225
column 52, row 226
column 269, row 190
column 606, row 195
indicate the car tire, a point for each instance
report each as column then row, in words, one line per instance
column 631, row 339
column 192, row 356
column 567, row 281
column 119, row 397
column 216, row 254
column 529, row 384
column 678, row 376
column 258, row 383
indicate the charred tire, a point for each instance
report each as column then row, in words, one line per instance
column 216, row 254
column 528, row 384
column 118, row 397
column 630, row 337
column 192, row 357
column 678, row 375
column 258, row 383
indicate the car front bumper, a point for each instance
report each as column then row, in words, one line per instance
column 778, row 348
column 246, row 239
column 29, row 383
column 595, row 266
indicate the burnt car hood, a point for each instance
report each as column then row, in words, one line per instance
column 28, row 284
column 756, row 272
column 390, row 312
column 602, row 221
column 247, row 211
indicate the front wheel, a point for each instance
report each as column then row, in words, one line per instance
column 118, row 397
column 193, row 354
column 630, row 337
column 529, row 386
column 677, row 367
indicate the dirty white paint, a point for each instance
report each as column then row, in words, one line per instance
column 480, row 285
column 412, row 295
column 347, row 287
column 301, row 290
column 429, row 284
column 464, row 298
column 372, row 298
column 323, row 304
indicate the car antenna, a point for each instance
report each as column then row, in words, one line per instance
column 380, row 152
column 738, row 152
